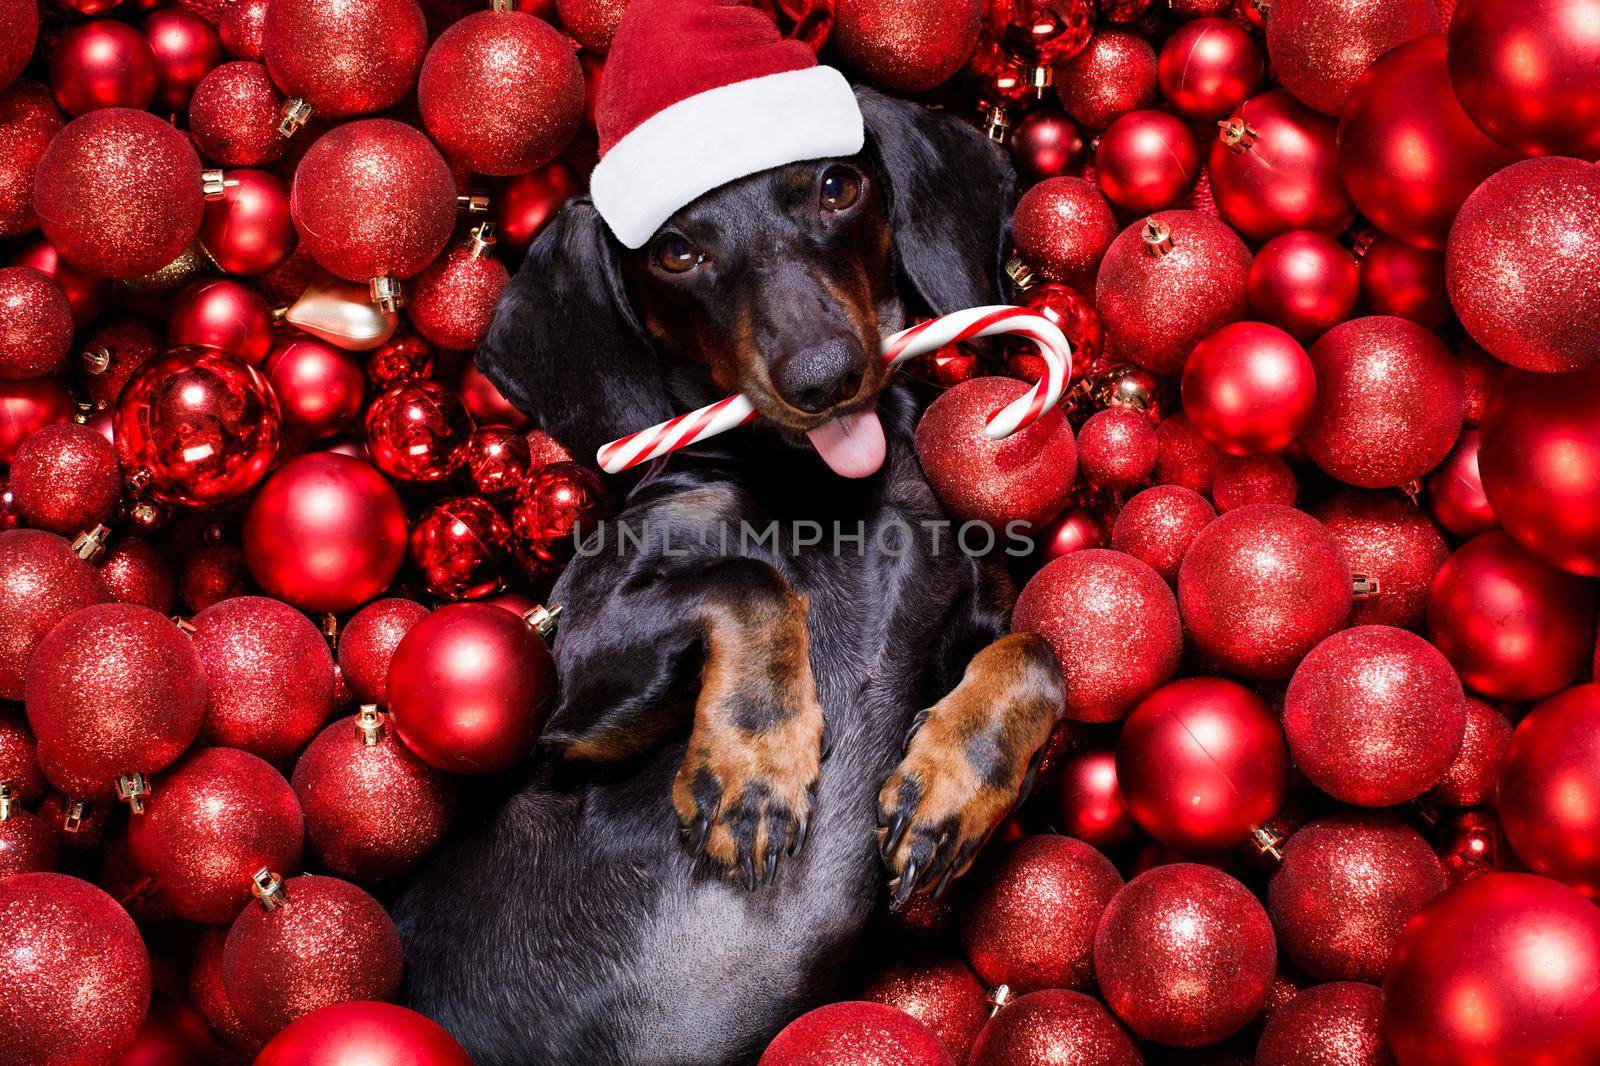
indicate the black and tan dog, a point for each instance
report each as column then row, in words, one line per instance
column 753, row 736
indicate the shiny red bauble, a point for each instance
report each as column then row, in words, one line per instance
column 1527, row 72
column 28, row 406
column 401, row 358
column 1166, row 283
column 1455, row 491
column 173, row 1034
column 1086, row 802
column 226, row 315
column 35, row 324
column 452, row 301
column 41, row 583
column 942, row 994
column 1502, row 968
column 1113, row 624
column 1341, row 1021
column 118, row 193
column 28, row 122
column 1274, row 168
column 1073, row 530
column 1158, row 525
column 485, row 402
column 74, row 972
column 903, row 45
column 1185, row 955
column 1539, row 459
column 1513, row 626
column 418, row 432
column 499, row 461
column 1303, row 282
column 1054, row 1025
column 1202, row 762
column 469, row 688
column 1046, row 144
column 1146, row 161
column 1549, row 791
column 1320, row 48
column 1400, row 279
column 368, row 641
column 330, row 942
column 856, row 1033
column 86, row 293
column 248, row 230
column 65, row 479
column 372, row 198
column 319, row 387
column 197, row 427
column 344, row 57
column 1208, row 67
column 1074, row 314
column 1388, row 541
column 1044, row 32
column 1113, row 75
column 1063, row 227
column 234, row 116
column 524, row 204
column 1249, row 388
column 377, row 1034
column 552, row 509
column 186, row 48
column 458, row 546
column 209, row 825
column 102, row 63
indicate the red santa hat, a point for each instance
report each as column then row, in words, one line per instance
column 697, row 93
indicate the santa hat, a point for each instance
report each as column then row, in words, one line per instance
column 697, row 93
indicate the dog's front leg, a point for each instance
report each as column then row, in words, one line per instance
column 969, row 761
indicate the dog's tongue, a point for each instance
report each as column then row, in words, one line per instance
column 852, row 446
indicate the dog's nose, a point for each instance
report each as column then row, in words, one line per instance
column 815, row 378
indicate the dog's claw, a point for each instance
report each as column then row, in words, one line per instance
column 769, row 869
column 697, row 839
column 747, row 866
column 802, row 825
column 897, row 829
column 944, row 882
column 907, row 886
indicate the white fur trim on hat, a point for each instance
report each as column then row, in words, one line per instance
column 686, row 150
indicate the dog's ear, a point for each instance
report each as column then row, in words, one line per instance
column 950, row 197
column 565, row 345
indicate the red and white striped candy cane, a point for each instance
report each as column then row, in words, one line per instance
column 930, row 336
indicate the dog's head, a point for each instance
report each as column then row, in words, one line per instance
column 778, row 285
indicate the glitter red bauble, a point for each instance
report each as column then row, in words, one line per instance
column 118, row 193
column 1116, row 449
column 209, row 825
column 28, row 846
column 135, row 571
column 41, row 582
column 373, row 198
column 378, row 1034
column 1156, row 306
column 501, row 92
column 418, row 432
column 198, row 426
column 1030, row 913
column 66, row 480
column 74, row 972
column 1208, row 67
column 1260, row 586
column 344, row 57
column 457, row 547
column 1320, row 48
column 234, row 115
column 1455, row 491
column 85, row 292
column 592, row 22
column 241, row 28
column 1549, row 790
column 319, row 387
column 1281, row 173
column 1244, row 480
column 102, row 63
column 469, row 687
column 204, row 989
column 35, row 324
column 346, row 510
column 452, row 300
column 1062, row 227
column 1474, row 977
column 1304, row 283
column 1183, row 456
column 1047, row 144
column 855, row 1033
column 1113, row 624
column 1113, row 75
column 28, row 122
column 1201, row 762
column 942, row 994
column 1470, row 781
column 1249, row 388
column 1513, row 626
column 1338, row 1022
column 1398, row 279
column 127, row 344
column 186, row 48
column 1185, row 955
column 248, row 230
column 21, row 17
column 222, row 314
column 1387, row 539
column 1054, row 1025
column 368, row 642
column 210, row 573
column 523, row 205
column 1158, row 525
column 330, row 943
column 1517, row 265
column 904, row 45
column 1146, row 161
column 1539, row 459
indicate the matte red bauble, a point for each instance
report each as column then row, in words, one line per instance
column 1158, row 525
column 118, row 193
column 452, row 300
column 1455, row 491
column 348, row 511
column 1063, row 227
column 457, row 547
column 344, row 57
column 1320, row 48
column 1167, row 282
column 368, row 642
column 1549, row 792
column 86, row 293
column 319, row 387
column 186, row 48
column 234, row 116
column 1054, row 1025
column 1249, row 388
column 1303, row 282
column 28, row 122
column 1183, row 456
column 102, row 63
column 35, row 324
column 904, row 45
column 1540, row 463
column 248, row 230
column 1388, row 541
column 27, row 407
column 1113, row 624
column 1202, row 762
column 1517, row 265
column 379, row 1034
column 1503, row 968
column 1113, row 75
column 524, row 204
column 942, row 994
column 1047, row 144
column 1146, row 161
column 857, row 1033
column 1341, row 1021
column 469, row 687
column 197, row 427
column 74, row 972
column 1274, row 168
column 65, row 479
column 1185, row 955
column 1208, row 67
column 1527, row 72
column 1399, row 279
column 373, row 198
column 41, row 582
column 418, row 432
column 1513, row 626
column 222, row 314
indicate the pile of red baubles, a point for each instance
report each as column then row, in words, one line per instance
column 1317, row 530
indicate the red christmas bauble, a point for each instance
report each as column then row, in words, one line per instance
column 1274, row 168
column 1116, row 449
column 1249, row 388
column 222, row 314
column 209, row 825
column 41, row 583
column 135, row 571
column 66, row 480
column 19, row 765
column 248, row 230
column 1388, row 540
column 1515, row 265
column 186, row 48
column 1320, row 48
column 210, row 573
column 329, row 943
column 204, row 989
column 345, row 57
column 242, row 27
column 368, row 642
column 592, row 22
column 1246, row 480
column 1502, row 968
column 102, row 63
column 1063, row 227
column 1549, row 789
column 499, row 460
column 111, row 355
column 28, row 846
column 1165, row 283
column 234, row 115
column 418, row 432
column 523, row 205
column 21, row 17
column 173, row 1034
column 1114, row 74
column 1185, row 955
column 1513, row 626
column 1158, row 525
column 1455, row 491
column 1073, row 530
column 1183, row 456
column 1146, row 161
column 1539, row 459
column 375, row 1034
column 1054, row 1025
column 1470, row 781
column 373, row 198
column 404, row 357
column 1201, row 762
column 35, row 324
column 28, row 122
column 1043, row 32
column 452, row 300
column 1074, row 314
column 457, row 546
column 942, row 994
column 904, row 45
column 319, row 387
column 1303, row 282
column 1398, row 279
column 1341, row 1021
column 1208, row 67
column 74, row 972
column 485, row 403
column 857, row 1033
column 1260, row 586
column 118, row 193
column 86, row 293
column 469, row 687
column 1087, row 803
column 1047, row 144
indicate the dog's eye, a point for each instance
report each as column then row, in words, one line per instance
column 676, row 254
column 841, row 188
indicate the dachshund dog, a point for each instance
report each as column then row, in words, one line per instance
column 754, row 733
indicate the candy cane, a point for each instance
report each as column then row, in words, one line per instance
column 930, row 336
